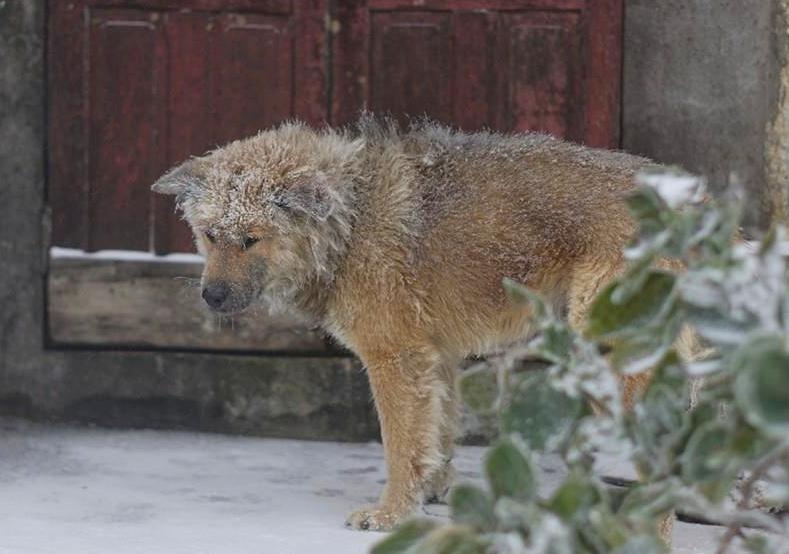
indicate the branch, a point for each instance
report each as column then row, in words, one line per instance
column 747, row 489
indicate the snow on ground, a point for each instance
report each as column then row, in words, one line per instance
column 70, row 490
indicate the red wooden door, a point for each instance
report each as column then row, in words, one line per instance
column 511, row 65
column 139, row 85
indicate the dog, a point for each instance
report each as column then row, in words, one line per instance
column 396, row 243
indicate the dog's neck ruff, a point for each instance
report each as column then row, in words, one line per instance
column 306, row 292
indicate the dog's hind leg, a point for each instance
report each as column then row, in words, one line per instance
column 588, row 281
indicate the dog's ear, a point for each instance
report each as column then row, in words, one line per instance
column 180, row 180
column 312, row 196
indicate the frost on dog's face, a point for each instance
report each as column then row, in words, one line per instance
column 265, row 214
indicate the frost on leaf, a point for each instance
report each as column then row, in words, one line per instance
column 675, row 187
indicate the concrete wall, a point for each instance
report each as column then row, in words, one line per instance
column 700, row 88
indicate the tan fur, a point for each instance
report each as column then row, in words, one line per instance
column 397, row 244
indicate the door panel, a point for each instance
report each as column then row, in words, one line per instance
column 411, row 54
column 189, row 123
column 540, row 65
column 123, row 126
column 253, row 59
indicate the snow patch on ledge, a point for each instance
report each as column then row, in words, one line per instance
column 57, row 252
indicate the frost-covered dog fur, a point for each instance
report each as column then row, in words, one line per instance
column 397, row 244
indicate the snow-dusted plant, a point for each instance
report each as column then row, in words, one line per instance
column 725, row 460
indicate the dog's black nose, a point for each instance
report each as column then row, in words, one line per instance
column 215, row 295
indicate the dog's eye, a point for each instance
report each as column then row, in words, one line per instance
column 250, row 241
column 210, row 236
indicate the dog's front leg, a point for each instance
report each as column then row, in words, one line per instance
column 408, row 395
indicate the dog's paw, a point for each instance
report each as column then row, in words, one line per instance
column 374, row 518
column 437, row 487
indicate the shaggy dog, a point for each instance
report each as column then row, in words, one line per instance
column 396, row 243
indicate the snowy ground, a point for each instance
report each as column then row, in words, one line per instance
column 86, row 491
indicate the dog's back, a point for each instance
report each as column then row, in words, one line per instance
column 448, row 215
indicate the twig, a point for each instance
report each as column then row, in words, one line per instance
column 764, row 465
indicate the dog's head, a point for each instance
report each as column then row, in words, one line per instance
column 270, row 213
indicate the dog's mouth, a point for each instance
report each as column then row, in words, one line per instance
column 229, row 310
